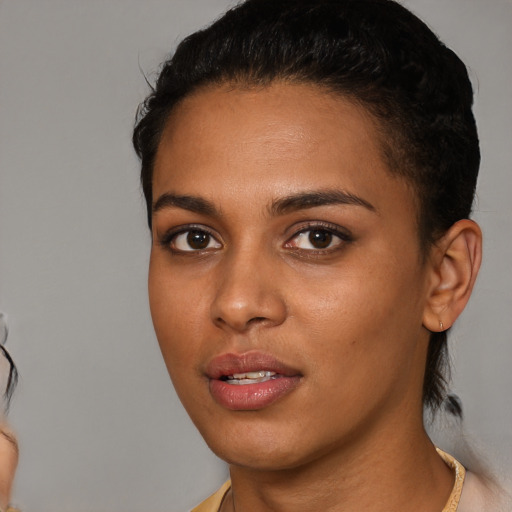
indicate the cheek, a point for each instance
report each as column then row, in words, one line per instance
column 177, row 310
column 178, row 327
column 361, row 353
column 367, row 319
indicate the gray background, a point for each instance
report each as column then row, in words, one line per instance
column 99, row 425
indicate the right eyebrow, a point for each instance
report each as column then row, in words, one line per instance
column 191, row 203
column 313, row 199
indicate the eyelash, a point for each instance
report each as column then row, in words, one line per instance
column 331, row 229
column 170, row 236
column 344, row 237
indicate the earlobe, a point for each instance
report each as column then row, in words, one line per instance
column 455, row 263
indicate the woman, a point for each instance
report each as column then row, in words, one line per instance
column 309, row 169
column 8, row 464
column 8, row 443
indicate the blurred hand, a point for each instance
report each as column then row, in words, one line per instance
column 8, row 443
column 8, row 464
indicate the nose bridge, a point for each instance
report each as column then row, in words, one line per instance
column 248, row 291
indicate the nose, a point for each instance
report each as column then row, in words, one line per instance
column 248, row 295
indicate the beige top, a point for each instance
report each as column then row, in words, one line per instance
column 213, row 503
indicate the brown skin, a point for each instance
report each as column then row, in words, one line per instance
column 353, row 318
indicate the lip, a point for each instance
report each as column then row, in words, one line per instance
column 250, row 397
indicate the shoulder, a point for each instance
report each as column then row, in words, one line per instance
column 213, row 503
column 479, row 495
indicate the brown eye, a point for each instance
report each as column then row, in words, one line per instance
column 320, row 239
column 193, row 240
column 198, row 240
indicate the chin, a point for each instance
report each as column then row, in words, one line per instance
column 258, row 458
column 257, row 445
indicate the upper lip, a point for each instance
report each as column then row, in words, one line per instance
column 230, row 363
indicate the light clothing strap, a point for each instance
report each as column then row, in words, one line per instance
column 460, row 474
column 213, row 503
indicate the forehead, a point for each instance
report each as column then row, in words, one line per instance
column 274, row 140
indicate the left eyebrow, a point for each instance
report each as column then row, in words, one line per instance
column 309, row 199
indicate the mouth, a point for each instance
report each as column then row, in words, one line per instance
column 243, row 379
column 250, row 381
column 250, row 366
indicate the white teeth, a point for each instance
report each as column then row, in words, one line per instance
column 250, row 377
column 253, row 375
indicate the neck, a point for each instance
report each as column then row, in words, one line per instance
column 398, row 470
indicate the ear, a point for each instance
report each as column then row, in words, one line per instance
column 454, row 261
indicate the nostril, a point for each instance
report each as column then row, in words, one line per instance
column 256, row 320
column 243, row 325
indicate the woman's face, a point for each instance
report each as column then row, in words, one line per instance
column 286, row 283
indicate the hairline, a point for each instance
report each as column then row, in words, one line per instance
column 386, row 132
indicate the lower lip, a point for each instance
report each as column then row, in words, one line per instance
column 251, row 397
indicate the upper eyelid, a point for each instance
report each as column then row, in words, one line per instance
column 335, row 229
column 168, row 235
column 183, row 228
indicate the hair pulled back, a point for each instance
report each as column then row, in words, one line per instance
column 374, row 52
